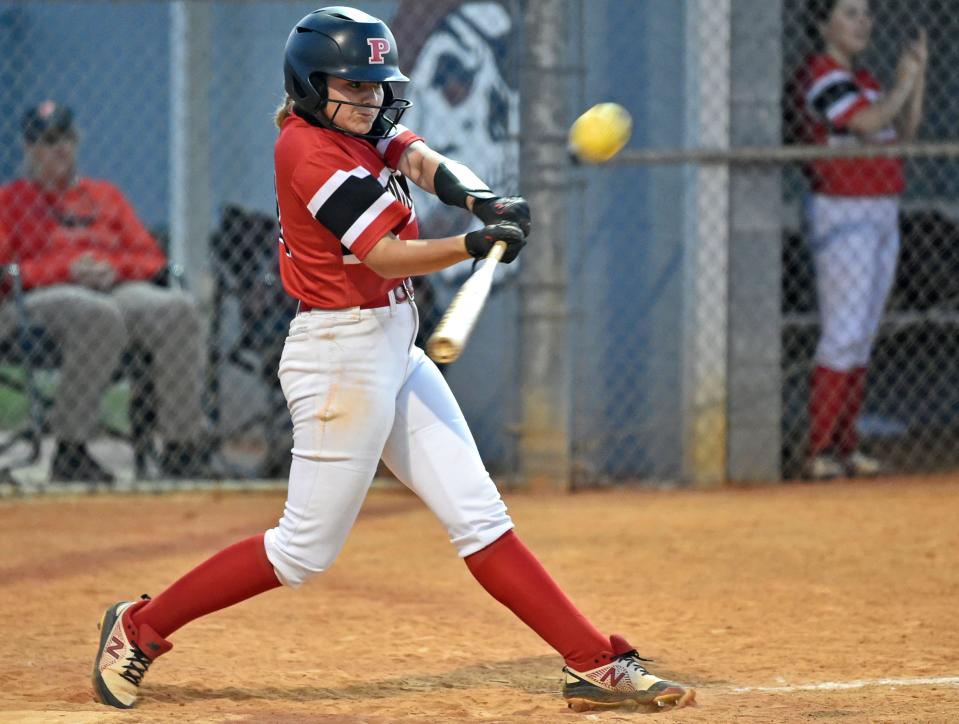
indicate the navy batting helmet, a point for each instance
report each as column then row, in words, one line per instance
column 346, row 43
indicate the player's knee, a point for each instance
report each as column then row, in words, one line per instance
column 839, row 354
column 294, row 573
column 480, row 530
column 295, row 565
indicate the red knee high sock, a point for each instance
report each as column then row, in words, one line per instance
column 827, row 397
column 847, row 437
column 232, row 575
column 512, row 575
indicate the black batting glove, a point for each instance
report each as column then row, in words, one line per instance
column 479, row 242
column 513, row 209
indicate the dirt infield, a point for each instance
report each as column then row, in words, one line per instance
column 754, row 596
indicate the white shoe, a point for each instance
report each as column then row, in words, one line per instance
column 858, row 463
column 120, row 663
column 824, row 467
column 622, row 682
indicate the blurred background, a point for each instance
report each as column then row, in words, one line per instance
column 661, row 326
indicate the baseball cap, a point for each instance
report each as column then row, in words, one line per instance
column 47, row 121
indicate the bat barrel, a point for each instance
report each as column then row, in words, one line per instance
column 442, row 349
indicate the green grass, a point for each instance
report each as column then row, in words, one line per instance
column 13, row 403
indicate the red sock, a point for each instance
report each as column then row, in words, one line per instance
column 232, row 575
column 847, row 437
column 512, row 575
column 827, row 397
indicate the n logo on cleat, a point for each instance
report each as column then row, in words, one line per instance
column 614, row 678
column 115, row 647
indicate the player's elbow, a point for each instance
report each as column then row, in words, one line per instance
column 383, row 258
column 385, row 270
column 865, row 124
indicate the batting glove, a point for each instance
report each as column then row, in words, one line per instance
column 513, row 209
column 479, row 242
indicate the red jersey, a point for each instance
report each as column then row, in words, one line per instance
column 337, row 196
column 45, row 231
column 829, row 96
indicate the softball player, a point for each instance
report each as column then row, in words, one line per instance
column 852, row 218
column 357, row 387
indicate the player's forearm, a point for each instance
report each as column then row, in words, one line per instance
column 393, row 258
column 912, row 118
column 420, row 164
column 873, row 119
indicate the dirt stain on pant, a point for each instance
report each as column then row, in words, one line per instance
column 329, row 411
column 345, row 403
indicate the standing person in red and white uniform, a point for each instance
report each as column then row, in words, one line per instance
column 358, row 389
column 852, row 217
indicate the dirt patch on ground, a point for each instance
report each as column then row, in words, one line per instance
column 780, row 603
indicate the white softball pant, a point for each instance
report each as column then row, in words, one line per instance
column 855, row 245
column 358, row 390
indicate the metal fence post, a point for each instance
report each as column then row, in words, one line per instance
column 707, row 233
column 755, row 246
column 190, row 195
column 544, row 384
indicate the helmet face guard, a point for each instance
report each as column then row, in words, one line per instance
column 349, row 44
column 385, row 123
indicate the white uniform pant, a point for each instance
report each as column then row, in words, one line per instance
column 358, row 390
column 855, row 245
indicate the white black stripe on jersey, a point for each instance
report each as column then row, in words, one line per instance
column 832, row 95
column 396, row 185
column 384, row 143
column 348, row 203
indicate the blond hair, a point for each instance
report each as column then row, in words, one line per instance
column 283, row 111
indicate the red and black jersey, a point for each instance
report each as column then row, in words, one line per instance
column 337, row 196
column 829, row 96
column 46, row 231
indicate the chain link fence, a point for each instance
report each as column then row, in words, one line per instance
column 796, row 335
column 143, row 319
column 150, row 133
column 874, row 272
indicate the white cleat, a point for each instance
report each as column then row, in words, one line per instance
column 622, row 682
column 858, row 463
column 121, row 663
column 824, row 467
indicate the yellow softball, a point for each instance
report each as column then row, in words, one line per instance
column 600, row 133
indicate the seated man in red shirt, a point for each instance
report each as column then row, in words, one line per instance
column 86, row 262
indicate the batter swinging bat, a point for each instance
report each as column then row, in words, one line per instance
column 447, row 341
